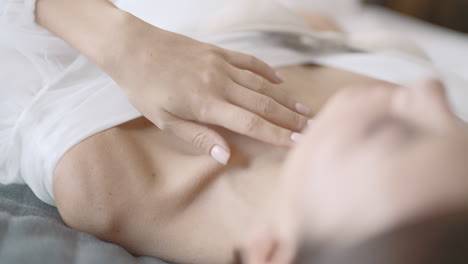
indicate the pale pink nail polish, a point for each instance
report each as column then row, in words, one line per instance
column 220, row 155
column 302, row 109
column 280, row 76
column 296, row 137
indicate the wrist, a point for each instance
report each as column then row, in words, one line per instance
column 128, row 47
column 94, row 28
column 110, row 44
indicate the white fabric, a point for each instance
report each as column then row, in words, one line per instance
column 61, row 98
column 47, row 91
column 446, row 48
column 27, row 52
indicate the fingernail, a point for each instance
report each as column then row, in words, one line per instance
column 310, row 122
column 220, row 155
column 280, row 76
column 302, row 109
column 296, row 137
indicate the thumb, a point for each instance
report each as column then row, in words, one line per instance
column 201, row 137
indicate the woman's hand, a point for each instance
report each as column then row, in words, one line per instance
column 180, row 84
column 183, row 85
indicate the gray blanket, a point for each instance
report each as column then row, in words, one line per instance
column 33, row 232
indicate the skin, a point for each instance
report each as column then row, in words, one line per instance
column 350, row 178
column 155, row 67
column 143, row 188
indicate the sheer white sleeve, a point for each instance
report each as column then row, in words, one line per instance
column 32, row 61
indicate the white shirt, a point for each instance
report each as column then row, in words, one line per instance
column 52, row 98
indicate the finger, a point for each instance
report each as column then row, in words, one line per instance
column 251, row 63
column 201, row 137
column 267, row 108
column 260, row 85
column 249, row 124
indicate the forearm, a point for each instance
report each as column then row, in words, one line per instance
column 93, row 27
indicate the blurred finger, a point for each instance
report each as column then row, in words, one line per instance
column 260, row 85
column 267, row 108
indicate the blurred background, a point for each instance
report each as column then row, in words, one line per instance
column 448, row 13
column 440, row 27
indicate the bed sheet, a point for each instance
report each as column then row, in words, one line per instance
column 33, row 232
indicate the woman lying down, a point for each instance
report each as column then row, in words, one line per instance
column 381, row 155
